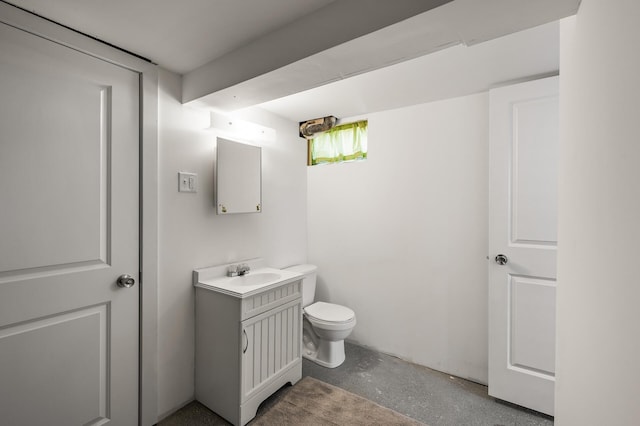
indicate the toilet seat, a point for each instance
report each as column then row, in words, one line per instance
column 329, row 313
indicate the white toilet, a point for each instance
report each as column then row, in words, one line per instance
column 325, row 325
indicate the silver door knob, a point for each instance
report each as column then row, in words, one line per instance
column 126, row 281
column 501, row 259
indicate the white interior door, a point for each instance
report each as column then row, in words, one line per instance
column 522, row 227
column 69, row 141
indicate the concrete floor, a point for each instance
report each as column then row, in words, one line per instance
column 429, row 396
column 426, row 395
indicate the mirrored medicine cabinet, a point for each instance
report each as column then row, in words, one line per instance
column 238, row 177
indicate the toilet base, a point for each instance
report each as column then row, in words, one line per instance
column 327, row 353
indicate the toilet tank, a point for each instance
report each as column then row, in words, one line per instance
column 308, row 281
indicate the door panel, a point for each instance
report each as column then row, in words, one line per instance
column 534, row 173
column 522, row 225
column 74, row 358
column 47, row 232
column 532, row 324
column 69, row 141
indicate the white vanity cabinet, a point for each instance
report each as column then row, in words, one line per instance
column 247, row 346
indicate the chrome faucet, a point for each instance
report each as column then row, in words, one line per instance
column 237, row 270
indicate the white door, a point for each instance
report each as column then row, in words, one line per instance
column 69, row 140
column 522, row 228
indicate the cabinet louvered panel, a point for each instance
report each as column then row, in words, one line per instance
column 271, row 343
column 269, row 299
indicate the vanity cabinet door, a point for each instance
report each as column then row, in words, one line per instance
column 271, row 342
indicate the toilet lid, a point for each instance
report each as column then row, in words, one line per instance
column 329, row 312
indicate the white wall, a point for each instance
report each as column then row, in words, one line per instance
column 191, row 235
column 598, row 314
column 401, row 238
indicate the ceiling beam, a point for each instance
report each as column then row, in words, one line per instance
column 332, row 25
column 281, row 64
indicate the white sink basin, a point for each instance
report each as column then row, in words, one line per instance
column 242, row 286
column 257, row 278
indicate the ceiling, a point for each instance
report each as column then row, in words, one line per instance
column 186, row 34
column 239, row 53
column 178, row 35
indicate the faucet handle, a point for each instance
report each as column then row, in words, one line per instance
column 243, row 269
column 232, row 270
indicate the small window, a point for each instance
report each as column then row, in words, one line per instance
column 346, row 142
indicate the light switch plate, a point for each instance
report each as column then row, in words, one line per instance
column 187, row 182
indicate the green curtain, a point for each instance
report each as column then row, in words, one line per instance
column 346, row 142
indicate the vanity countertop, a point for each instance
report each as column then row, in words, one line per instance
column 255, row 281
